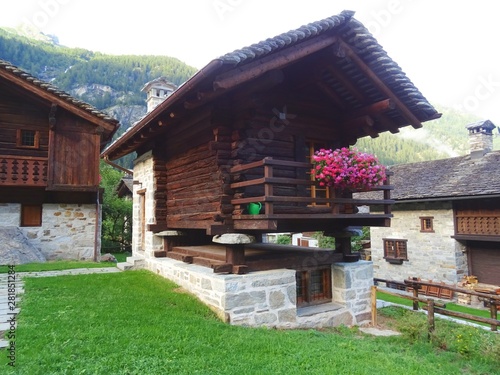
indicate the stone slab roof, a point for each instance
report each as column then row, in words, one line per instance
column 447, row 178
column 359, row 38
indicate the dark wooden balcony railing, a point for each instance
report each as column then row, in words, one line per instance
column 338, row 204
column 23, row 171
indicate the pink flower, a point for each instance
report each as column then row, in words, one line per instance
column 347, row 169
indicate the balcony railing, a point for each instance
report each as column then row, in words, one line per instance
column 23, row 171
column 298, row 201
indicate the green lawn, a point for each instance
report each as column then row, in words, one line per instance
column 136, row 322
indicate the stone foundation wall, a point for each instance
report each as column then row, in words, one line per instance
column 268, row 298
column 67, row 230
column 431, row 256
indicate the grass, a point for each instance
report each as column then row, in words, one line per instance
column 449, row 306
column 63, row 265
column 85, row 324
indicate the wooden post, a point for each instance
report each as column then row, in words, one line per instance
column 415, row 295
column 430, row 317
column 493, row 313
column 374, row 305
column 334, row 193
column 235, row 254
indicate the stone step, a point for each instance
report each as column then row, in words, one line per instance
column 124, row 266
column 137, row 262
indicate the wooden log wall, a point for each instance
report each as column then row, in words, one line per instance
column 16, row 113
column 197, row 184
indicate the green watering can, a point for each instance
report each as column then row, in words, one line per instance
column 254, row 208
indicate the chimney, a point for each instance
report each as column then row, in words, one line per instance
column 157, row 91
column 480, row 138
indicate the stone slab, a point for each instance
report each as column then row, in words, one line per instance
column 170, row 233
column 379, row 332
column 233, row 239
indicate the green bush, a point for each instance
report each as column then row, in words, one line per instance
column 324, row 242
column 284, row 239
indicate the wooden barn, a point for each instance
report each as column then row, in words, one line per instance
column 241, row 133
column 50, row 144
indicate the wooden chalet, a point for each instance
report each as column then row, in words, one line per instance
column 50, row 144
column 242, row 130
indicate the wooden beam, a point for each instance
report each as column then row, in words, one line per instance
column 277, row 60
column 335, row 98
column 377, row 108
column 407, row 114
column 339, row 76
column 361, row 121
column 269, row 80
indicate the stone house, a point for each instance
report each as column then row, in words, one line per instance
column 446, row 217
column 240, row 133
column 49, row 166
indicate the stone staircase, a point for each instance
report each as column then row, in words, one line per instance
column 132, row 263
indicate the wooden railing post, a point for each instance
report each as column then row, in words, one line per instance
column 493, row 313
column 415, row 295
column 374, row 304
column 268, row 190
column 430, row 317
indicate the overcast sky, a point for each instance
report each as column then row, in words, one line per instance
column 449, row 49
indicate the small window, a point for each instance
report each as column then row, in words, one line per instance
column 31, row 215
column 314, row 286
column 28, row 138
column 395, row 251
column 426, row 224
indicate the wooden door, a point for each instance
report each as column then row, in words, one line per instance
column 484, row 262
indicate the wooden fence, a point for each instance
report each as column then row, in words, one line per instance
column 435, row 306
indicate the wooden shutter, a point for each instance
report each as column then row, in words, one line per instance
column 31, row 215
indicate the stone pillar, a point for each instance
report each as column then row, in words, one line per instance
column 351, row 286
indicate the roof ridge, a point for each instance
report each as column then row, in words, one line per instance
column 269, row 45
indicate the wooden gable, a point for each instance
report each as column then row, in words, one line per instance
column 48, row 138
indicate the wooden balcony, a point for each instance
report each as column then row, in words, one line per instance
column 23, row 171
column 289, row 205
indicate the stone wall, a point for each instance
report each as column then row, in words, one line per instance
column 144, row 179
column 268, row 298
column 67, row 230
column 10, row 214
column 431, row 256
